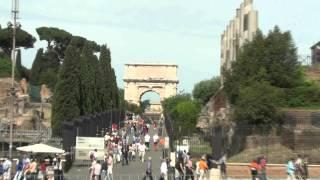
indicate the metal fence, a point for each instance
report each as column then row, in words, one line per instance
column 298, row 135
column 90, row 126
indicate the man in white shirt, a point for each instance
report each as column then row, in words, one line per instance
column 142, row 151
column 164, row 169
column 147, row 140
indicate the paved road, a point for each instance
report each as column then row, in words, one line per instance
column 134, row 171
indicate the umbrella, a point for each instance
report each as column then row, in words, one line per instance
column 40, row 148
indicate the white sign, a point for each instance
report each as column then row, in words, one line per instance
column 84, row 145
column 89, row 143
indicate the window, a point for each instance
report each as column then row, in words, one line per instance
column 246, row 22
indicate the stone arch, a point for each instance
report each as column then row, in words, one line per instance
column 149, row 90
column 142, row 78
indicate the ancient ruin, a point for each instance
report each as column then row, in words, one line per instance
column 141, row 78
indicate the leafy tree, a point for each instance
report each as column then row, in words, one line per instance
column 257, row 104
column 5, row 67
column 265, row 70
column 170, row 103
column 185, row 117
column 205, row 89
column 144, row 104
column 133, row 108
column 23, row 39
column 66, row 97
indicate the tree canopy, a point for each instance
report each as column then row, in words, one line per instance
column 183, row 112
column 205, row 89
column 23, row 39
column 57, row 39
column 263, row 78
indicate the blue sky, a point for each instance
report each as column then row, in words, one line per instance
column 183, row 32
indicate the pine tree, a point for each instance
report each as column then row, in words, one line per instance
column 66, row 97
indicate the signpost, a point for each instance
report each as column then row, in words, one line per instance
column 84, row 145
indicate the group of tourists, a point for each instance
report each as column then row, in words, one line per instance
column 185, row 168
column 32, row 168
column 297, row 168
column 129, row 143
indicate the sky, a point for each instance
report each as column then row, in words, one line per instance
column 182, row 32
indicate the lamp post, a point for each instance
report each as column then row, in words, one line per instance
column 13, row 56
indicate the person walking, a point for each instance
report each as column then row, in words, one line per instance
column 223, row 167
column 290, row 170
column 147, row 141
column 164, row 170
column 189, row 169
column 203, row 167
column 148, row 170
column 97, row 171
column 7, row 164
column 19, row 170
column 254, row 169
column 263, row 166
column 104, row 169
column 110, row 168
column 155, row 139
column 142, row 151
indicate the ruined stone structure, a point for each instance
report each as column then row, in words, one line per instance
column 240, row 30
column 141, row 78
column 315, row 54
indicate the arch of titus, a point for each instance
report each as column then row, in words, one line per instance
column 142, row 78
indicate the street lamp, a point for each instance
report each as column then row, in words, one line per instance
column 15, row 25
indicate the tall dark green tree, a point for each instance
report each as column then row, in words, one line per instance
column 36, row 68
column 106, row 78
column 114, row 90
column 66, row 99
column 89, row 86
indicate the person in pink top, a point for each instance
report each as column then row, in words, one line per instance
column 189, row 169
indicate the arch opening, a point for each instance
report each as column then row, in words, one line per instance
column 150, row 102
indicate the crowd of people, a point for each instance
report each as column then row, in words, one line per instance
column 130, row 143
column 296, row 168
column 32, row 168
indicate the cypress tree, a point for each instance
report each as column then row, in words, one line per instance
column 105, row 71
column 115, row 91
column 36, row 68
column 88, row 81
column 66, row 97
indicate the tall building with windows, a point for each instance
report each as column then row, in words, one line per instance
column 241, row 29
